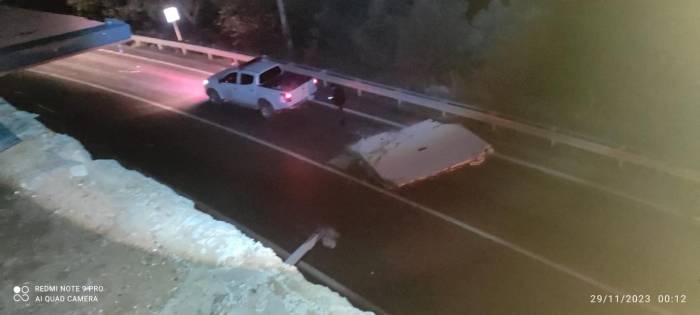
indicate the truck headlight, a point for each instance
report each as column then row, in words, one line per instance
column 205, row 82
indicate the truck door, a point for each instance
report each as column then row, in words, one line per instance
column 229, row 87
column 246, row 90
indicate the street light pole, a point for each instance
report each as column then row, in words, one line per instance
column 177, row 31
column 328, row 237
column 285, row 26
column 172, row 16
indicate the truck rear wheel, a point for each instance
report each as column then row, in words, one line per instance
column 266, row 109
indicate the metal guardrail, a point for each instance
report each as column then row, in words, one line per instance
column 444, row 106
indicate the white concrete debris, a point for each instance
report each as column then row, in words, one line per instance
column 419, row 151
column 128, row 207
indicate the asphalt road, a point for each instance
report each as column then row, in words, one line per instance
column 501, row 238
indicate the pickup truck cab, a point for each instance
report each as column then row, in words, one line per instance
column 262, row 85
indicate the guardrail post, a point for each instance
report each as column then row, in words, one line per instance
column 184, row 51
column 160, row 47
column 209, row 56
column 324, row 72
column 359, row 92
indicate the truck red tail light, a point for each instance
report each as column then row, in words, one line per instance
column 315, row 81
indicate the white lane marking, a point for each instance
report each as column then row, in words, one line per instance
column 510, row 159
column 46, row 108
column 354, row 112
column 302, row 265
column 361, row 114
column 545, row 170
column 435, row 213
column 589, row 184
column 170, row 64
column 513, row 160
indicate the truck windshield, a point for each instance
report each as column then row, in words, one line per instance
column 270, row 74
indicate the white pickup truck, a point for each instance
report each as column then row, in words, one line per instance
column 262, row 85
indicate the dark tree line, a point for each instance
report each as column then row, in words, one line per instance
column 409, row 42
column 243, row 24
column 425, row 45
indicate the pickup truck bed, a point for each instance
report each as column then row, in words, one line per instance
column 286, row 81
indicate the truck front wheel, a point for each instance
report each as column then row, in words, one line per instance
column 214, row 96
column 266, row 109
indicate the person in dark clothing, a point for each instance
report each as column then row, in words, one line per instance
column 337, row 97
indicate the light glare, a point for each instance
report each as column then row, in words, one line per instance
column 171, row 14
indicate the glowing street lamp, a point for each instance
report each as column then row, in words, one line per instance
column 172, row 16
